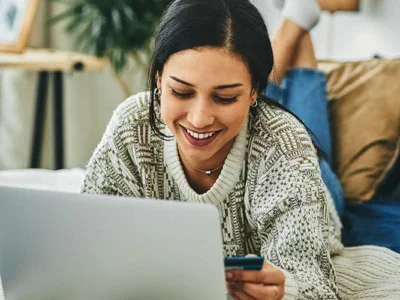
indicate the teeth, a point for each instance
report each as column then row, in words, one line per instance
column 200, row 136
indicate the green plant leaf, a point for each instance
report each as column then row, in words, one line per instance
column 65, row 15
column 117, row 29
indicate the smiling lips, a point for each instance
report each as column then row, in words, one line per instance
column 199, row 139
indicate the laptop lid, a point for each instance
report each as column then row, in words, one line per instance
column 56, row 245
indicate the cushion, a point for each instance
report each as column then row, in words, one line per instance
column 391, row 183
column 364, row 108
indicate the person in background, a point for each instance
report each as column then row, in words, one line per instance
column 205, row 132
column 296, row 82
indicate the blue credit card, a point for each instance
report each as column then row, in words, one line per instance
column 244, row 263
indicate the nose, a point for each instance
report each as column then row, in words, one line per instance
column 201, row 113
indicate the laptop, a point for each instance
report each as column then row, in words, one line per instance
column 57, row 245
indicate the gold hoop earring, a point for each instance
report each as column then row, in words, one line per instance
column 157, row 94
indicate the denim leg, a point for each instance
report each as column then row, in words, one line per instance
column 305, row 96
column 333, row 185
column 274, row 91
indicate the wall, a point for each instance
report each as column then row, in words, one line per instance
column 351, row 35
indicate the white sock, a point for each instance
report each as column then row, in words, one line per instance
column 279, row 3
column 304, row 13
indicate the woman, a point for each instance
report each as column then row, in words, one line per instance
column 206, row 133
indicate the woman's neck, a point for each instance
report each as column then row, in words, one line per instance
column 198, row 181
column 201, row 176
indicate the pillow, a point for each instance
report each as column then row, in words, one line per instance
column 364, row 108
column 390, row 185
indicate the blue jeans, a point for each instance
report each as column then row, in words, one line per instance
column 303, row 92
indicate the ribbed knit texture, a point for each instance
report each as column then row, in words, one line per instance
column 270, row 194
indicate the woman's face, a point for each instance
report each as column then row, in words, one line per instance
column 206, row 97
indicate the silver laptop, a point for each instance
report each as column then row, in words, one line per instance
column 69, row 246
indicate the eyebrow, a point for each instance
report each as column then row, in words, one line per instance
column 220, row 87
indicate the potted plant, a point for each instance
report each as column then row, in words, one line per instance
column 117, row 29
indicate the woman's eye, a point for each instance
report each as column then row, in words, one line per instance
column 181, row 95
column 226, row 100
column 187, row 95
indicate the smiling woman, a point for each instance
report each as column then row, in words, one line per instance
column 204, row 109
column 205, row 133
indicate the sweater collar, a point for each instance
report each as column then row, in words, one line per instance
column 227, row 180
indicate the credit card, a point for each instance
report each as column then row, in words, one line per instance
column 243, row 263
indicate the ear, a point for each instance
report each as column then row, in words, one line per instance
column 254, row 95
column 158, row 79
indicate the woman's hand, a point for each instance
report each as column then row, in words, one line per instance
column 268, row 283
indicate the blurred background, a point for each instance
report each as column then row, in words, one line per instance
column 91, row 97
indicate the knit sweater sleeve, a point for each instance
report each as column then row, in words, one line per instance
column 295, row 237
column 111, row 169
column 289, row 211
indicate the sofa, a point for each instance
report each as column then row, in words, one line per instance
column 364, row 116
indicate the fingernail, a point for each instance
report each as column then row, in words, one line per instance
column 229, row 275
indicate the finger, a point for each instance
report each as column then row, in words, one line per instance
column 254, row 290
column 240, row 294
column 230, row 289
column 231, row 292
column 265, row 276
column 251, row 255
column 263, row 292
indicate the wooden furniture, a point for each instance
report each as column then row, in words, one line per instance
column 339, row 5
column 50, row 62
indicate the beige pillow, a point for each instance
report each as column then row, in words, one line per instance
column 364, row 105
